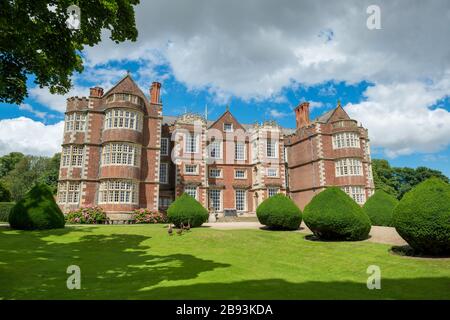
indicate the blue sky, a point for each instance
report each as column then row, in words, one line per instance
column 256, row 60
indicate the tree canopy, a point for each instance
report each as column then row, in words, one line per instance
column 34, row 39
column 397, row 181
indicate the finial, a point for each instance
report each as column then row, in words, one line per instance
column 339, row 103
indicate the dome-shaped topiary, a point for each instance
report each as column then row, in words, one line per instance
column 333, row 215
column 37, row 210
column 380, row 208
column 279, row 212
column 422, row 217
column 185, row 209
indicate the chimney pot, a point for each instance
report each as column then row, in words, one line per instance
column 96, row 92
column 155, row 93
column 302, row 114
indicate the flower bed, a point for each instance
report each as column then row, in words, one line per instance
column 88, row 215
column 148, row 216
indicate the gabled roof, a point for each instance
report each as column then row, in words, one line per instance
column 326, row 117
column 227, row 112
column 127, row 85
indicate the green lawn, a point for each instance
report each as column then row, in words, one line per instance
column 143, row 262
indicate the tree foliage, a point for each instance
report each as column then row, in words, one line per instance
column 397, row 181
column 34, row 39
column 279, row 212
column 29, row 170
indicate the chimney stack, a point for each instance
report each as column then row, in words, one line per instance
column 155, row 93
column 96, row 92
column 302, row 114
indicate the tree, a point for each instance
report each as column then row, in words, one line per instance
column 25, row 174
column 50, row 174
column 8, row 162
column 34, row 39
column 5, row 195
column 397, row 181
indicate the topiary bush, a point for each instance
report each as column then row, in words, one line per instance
column 380, row 207
column 36, row 210
column 279, row 212
column 333, row 215
column 422, row 217
column 185, row 209
column 87, row 215
column 5, row 208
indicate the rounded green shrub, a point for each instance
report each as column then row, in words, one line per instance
column 185, row 209
column 380, row 207
column 422, row 217
column 333, row 215
column 279, row 212
column 37, row 210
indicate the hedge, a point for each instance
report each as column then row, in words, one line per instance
column 186, row 210
column 422, row 217
column 279, row 212
column 5, row 208
column 333, row 215
column 380, row 207
column 36, row 210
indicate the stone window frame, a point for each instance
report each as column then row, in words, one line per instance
column 357, row 193
column 218, row 149
column 217, row 176
column 128, row 153
column 72, row 156
column 166, row 166
column 164, row 147
column 69, row 192
column 238, row 152
column 75, row 122
column 123, row 118
column 118, row 191
column 193, row 173
column 272, row 146
column 272, row 176
column 225, row 124
column 212, row 193
column 191, row 143
column 342, row 140
column 190, row 190
column 240, row 170
column 345, row 167
column 240, row 195
column 271, row 191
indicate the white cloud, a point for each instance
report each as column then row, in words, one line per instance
column 27, row 107
column 30, row 137
column 278, row 114
column 400, row 118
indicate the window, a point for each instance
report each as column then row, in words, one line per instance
column 72, row 156
column 123, row 118
column 121, row 154
column 75, row 122
column 191, row 144
column 215, row 173
column 272, row 191
column 346, row 140
column 118, row 191
column 125, row 97
column 191, row 190
column 164, row 173
column 215, row 150
column 348, row 167
column 228, row 127
column 241, row 200
column 190, row 169
column 164, row 146
column 69, row 192
column 239, row 151
column 272, row 172
column 240, row 173
column 164, row 202
column 356, row 192
column 215, row 199
column 271, row 149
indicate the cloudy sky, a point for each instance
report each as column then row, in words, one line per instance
column 264, row 57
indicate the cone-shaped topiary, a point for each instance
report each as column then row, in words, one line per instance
column 333, row 215
column 37, row 210
column 279, row 212
column 185, row 209
column 422, row 217
column 380, row 208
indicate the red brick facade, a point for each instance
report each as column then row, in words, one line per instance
column 120, row 153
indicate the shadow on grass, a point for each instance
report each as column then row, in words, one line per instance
column 112, row 266
column 313, row 237
column 407, row 251
column 419, row 288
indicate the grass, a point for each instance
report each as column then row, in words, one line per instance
column 143, row 262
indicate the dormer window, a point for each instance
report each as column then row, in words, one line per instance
column 228, row 127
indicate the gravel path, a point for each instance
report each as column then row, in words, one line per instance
column 386, row 235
